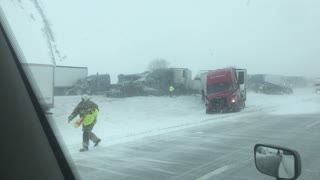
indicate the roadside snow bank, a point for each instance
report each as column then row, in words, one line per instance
column 303, row 101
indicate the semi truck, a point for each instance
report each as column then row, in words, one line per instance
column 225, row 90
column 66, row 77
column 156, row 82
column 97, row 84
column 201, row 77
column 182, row 77
column 272, row 84
column 316, row 88
column 41, row 77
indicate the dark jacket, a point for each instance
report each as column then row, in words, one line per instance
column 83, row 108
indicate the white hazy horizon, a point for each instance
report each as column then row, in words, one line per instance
column 122, row 37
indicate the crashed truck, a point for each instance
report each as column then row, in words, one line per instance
column 270, row 84
column 224, row 90
column 97, row 84
column 155, row 83
column 316, row 88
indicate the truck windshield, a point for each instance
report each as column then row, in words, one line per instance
column 219, row 87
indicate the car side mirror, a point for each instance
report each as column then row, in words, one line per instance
column 279, row 162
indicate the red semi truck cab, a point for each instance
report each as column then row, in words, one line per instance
column 226, row 90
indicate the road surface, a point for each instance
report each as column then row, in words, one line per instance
column 210, row 151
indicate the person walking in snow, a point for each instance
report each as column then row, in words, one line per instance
column 88, row 111
column 171, row 90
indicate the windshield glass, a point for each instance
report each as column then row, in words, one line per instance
column 126, row 83
column 214, row 88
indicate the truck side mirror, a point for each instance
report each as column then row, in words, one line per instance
column 281, row 163
column 241, row 77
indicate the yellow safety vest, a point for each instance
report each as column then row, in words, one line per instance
column 88, row 119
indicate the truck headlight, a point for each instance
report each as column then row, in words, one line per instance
column 233, row 100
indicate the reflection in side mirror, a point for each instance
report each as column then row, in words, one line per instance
column 277, row 162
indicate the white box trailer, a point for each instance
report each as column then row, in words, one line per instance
column 66, row 77
column 201, row 77
column 182, row 76
column 41, row 77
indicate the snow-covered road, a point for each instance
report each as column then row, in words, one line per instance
column 125, row 119
column 171, row 138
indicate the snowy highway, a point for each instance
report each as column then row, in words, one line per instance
column 173, row 138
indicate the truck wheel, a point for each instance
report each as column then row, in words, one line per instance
column 208, row 111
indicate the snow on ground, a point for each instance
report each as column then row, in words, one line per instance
column 303, row 101
column 125, row 119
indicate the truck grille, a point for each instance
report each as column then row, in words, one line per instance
column 219, row 103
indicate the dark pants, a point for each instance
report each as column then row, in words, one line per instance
column 88, row 135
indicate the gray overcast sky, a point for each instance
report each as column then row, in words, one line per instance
column 123, row 36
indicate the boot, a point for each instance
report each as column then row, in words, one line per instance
column 84, row 149
column 97, row 143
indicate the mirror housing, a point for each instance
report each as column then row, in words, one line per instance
column 279, row 162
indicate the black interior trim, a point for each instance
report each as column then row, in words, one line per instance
column 55, row 146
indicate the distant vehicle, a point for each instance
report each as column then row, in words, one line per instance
column 201, row 77
column 270, row 84
column 154, row 83
column 269, row 88
column 225, row 90
column 42, row 78
column 65, row 77
column 182, row 78
column 94, row 84
column 317, row 88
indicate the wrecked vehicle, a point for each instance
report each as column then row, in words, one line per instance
column 269, row 84
column 91, row 85
column 317, row 88
column 225, row 90
column 131, row 84
column 114, row 91
column 269, row 88
column 155, row 83
column 146, row 83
